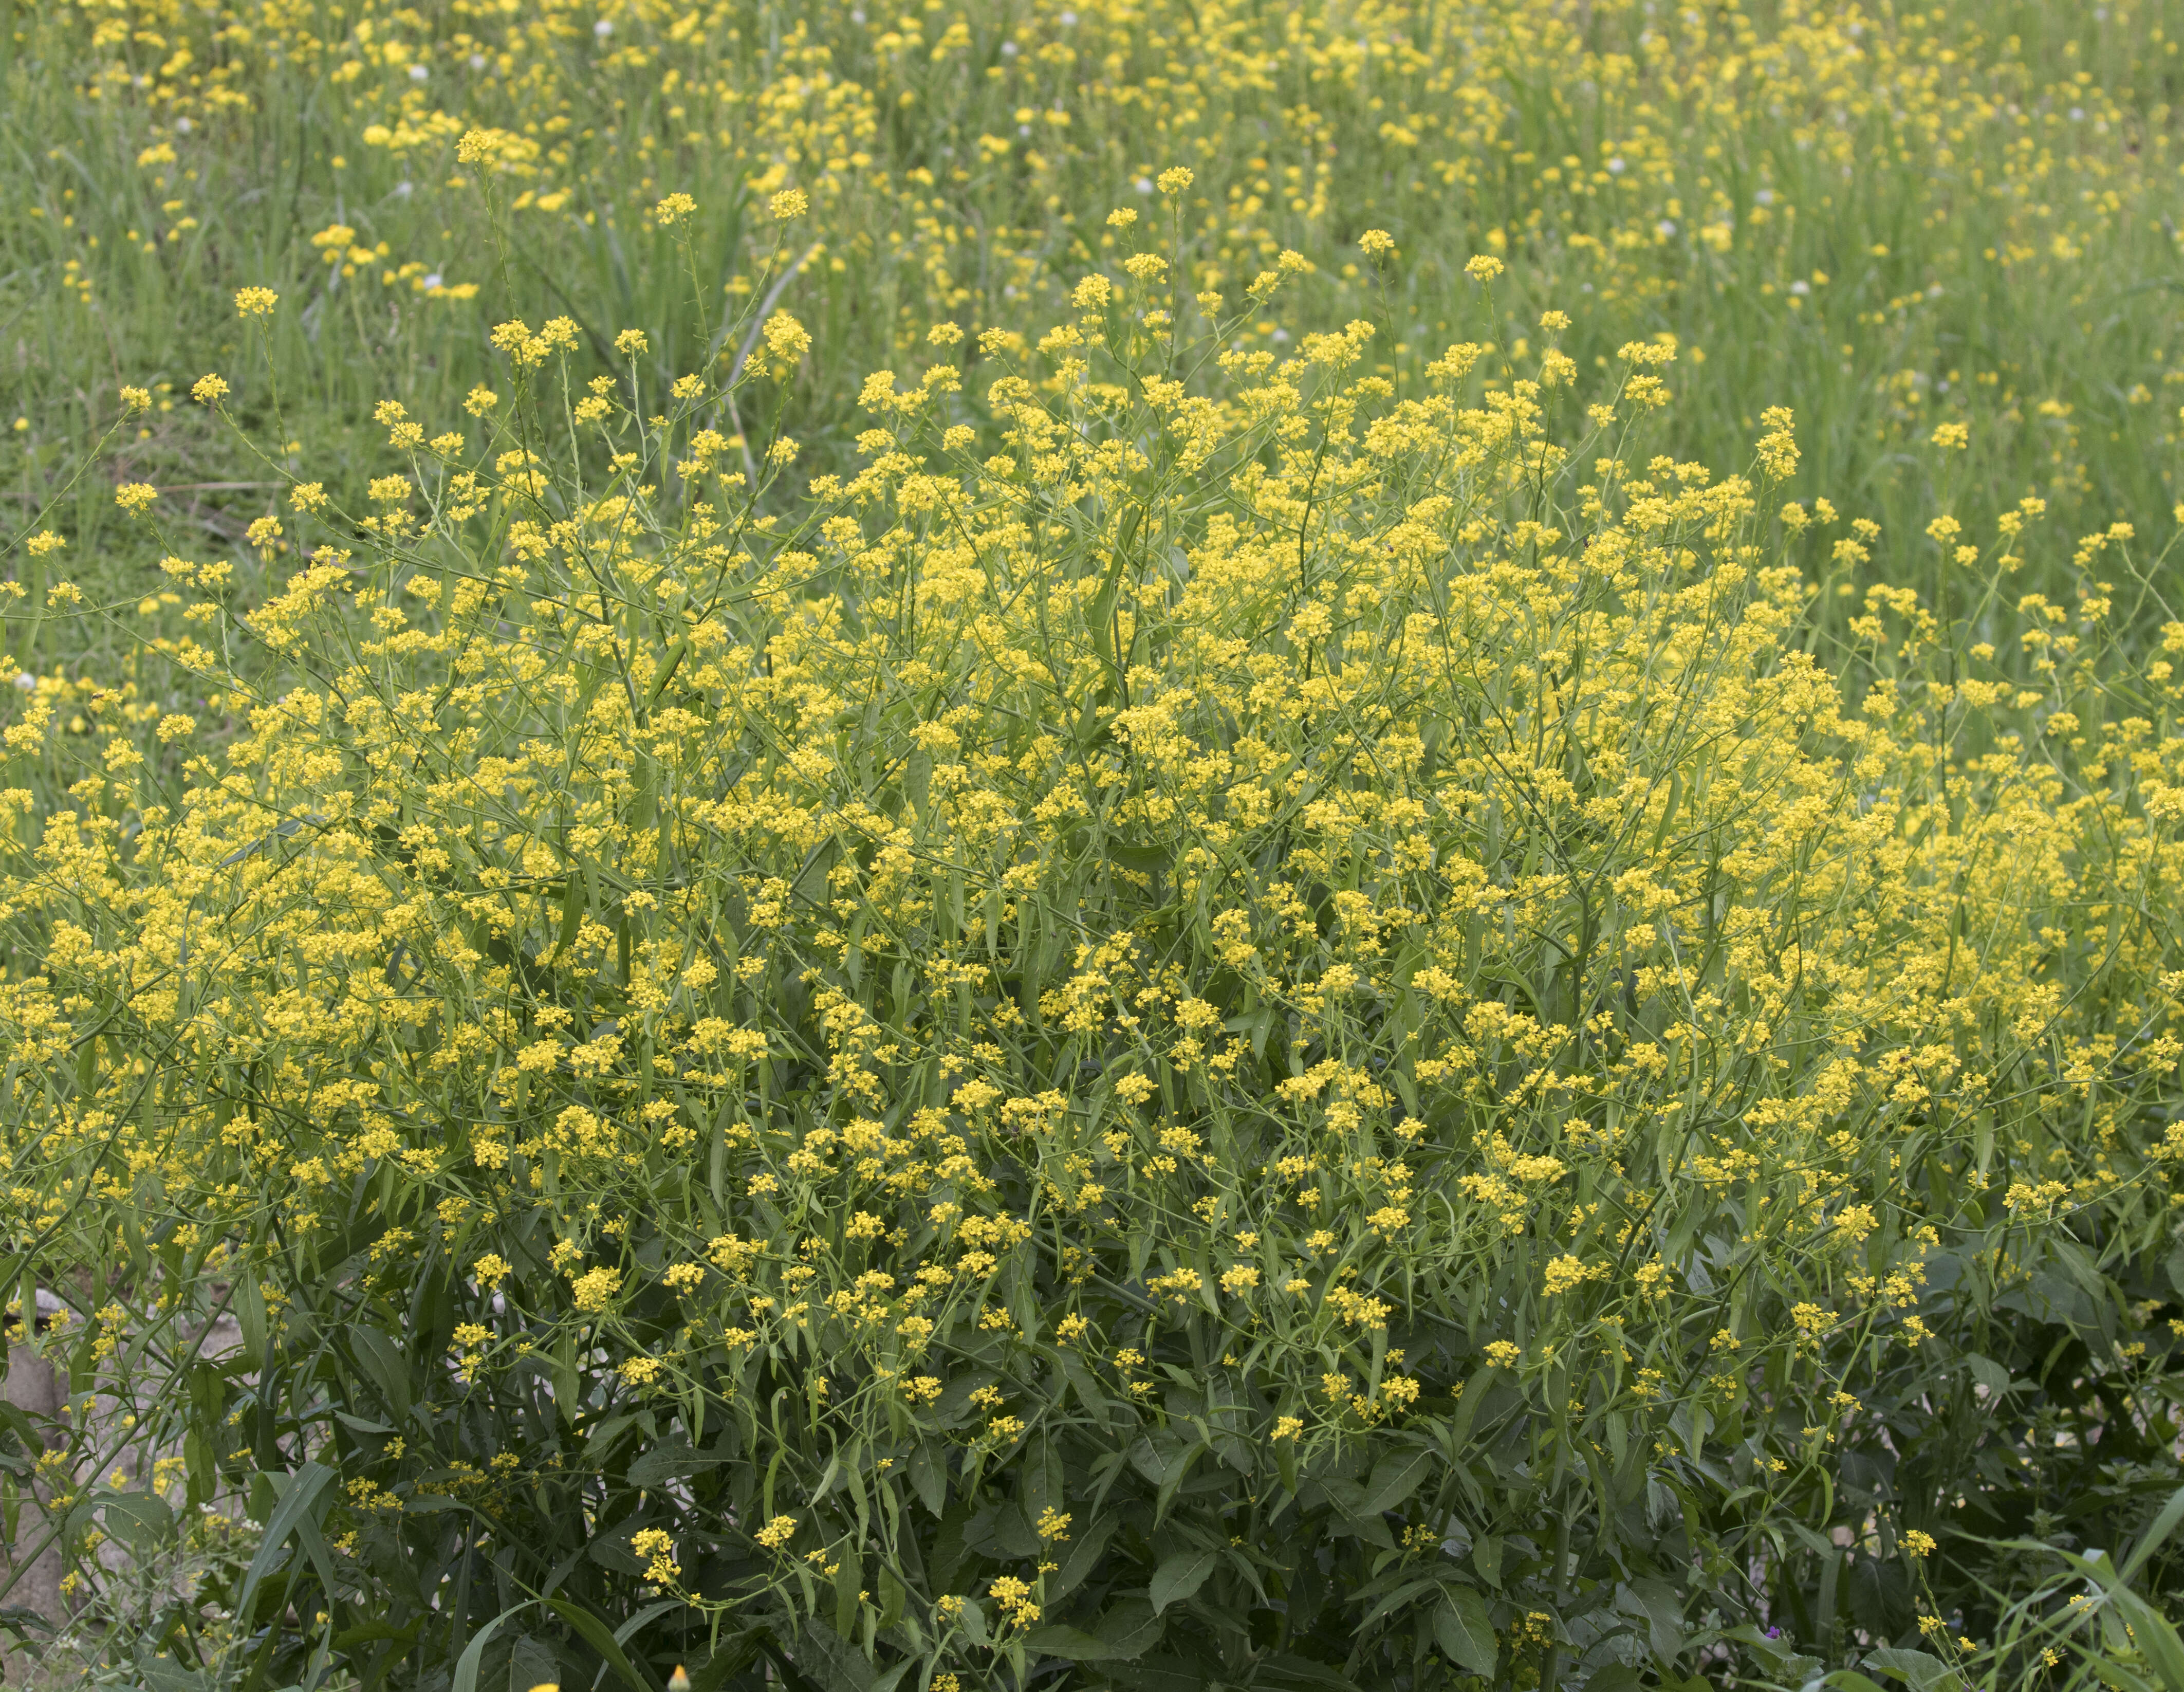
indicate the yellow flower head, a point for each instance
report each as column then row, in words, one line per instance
column 786, row 338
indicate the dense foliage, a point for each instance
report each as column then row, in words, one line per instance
column 1279, row 1034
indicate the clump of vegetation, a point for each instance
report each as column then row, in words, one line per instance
column 1271, row 1036
column 1303, row 848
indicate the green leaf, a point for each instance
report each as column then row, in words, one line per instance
column 20, row 1443
column 675, row 656
column 644, row 1618
column 1283, row 1669
column 2163, row 1525
column 736, row 1652
column 1103, row 614
column 144, row 1520
column 666, row 1463
column 1396, row 1600
column 380, row 1362
column 1072, row 1642
column 1395, row 1478
column 2157, row 1640
column 249, row 1305
column 1664, row 1611
column 1180, row 1575
column 1131, row 1627
column 1087, row 1545
column 574, row 904
column 1044, row 1481
column 530, row 1662
column 1920, row 1672
column 600, row 1638
column 302, row 1491
column 170, row 1677
column 1464, row 1631
column 928, row 1479
column 1988, row 1373
column 849, row 1581
column 1850, row 1680
column 372, row 1632
column 1158, row 1674
column 466, row 1667
column 1145, row 860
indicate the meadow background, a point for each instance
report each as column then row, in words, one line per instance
column 1944, row 237
column 1890, row 221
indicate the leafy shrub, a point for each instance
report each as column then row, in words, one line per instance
column 1284, row 1040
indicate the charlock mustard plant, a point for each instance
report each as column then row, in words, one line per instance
column 1275, row 1033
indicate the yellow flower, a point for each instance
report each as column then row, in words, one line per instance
column 1567, row 1271
column 786, row 338
column 595, row 1289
